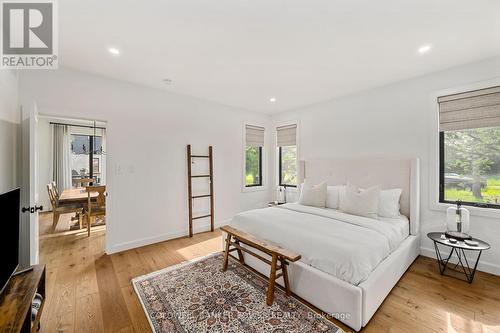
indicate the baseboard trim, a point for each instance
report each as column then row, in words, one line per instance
column 160, row 238
column 482, row 266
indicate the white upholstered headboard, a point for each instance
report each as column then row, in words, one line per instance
column 364, row 172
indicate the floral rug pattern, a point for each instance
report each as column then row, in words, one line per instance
column 198, row 297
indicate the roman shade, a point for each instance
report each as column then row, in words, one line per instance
column 473, row 109
column 286, row 135
column 254, row 135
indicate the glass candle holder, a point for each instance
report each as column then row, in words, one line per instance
column 458, row 222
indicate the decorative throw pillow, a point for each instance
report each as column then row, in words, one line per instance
column 361, row 202
column 388, row 205
column 313, row 195
column 333, row 195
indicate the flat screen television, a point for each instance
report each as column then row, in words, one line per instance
column 9, row 234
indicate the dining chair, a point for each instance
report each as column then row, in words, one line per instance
column 96, row 205
column 58, row 209
column 56, row 190
column 84, row 182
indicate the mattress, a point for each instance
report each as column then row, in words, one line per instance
column 346, row 246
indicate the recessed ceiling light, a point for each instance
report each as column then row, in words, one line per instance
column 424, row 49
column 272, row 99
column 114, row 51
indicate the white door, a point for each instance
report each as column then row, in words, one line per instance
column 29, row 188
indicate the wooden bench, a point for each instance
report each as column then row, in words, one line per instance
column 277, row 253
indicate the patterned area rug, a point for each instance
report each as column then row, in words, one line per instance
column 198, row 297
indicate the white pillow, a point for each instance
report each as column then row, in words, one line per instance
column 333, row 195
column 313, row 195
column 361, row 203
column 388, row 205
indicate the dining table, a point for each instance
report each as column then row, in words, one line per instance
column 75, row 195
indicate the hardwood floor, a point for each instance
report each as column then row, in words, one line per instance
column 89, row 291
column 63, row 226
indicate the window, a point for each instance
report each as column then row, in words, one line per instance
column 84, row 150
column 469, row 140
column 253, row 166
column 254, row 142
column 287, row 155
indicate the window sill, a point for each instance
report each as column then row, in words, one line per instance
column 474, row 211
column 254, row 189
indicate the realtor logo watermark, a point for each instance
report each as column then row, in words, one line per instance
column 29, row 34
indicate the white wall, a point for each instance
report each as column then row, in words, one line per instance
column 396, row 120
column 9, row 130
column 10, row 141
column 147, row 134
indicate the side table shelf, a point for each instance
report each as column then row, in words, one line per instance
column 16, row 301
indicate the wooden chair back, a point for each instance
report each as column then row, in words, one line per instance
column 55, row 189
column 54, row 201
column 96, row 205
column 84, row 182
column 98, row 202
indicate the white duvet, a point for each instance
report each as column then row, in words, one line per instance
column 346, row 246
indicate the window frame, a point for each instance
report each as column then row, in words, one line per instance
column 433, row 148
column 261, row 176
column 91, row 138
column 262, row 186
column 441, row 198
column 276, row 167
column 89, row 132
column 280, row 169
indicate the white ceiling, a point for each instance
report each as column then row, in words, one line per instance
column 242, row 52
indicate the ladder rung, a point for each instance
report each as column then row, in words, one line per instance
column 200, row 176
column 201, row 196
column 201, row 217
column 200, row 156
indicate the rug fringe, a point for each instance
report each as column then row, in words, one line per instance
column 144, row 308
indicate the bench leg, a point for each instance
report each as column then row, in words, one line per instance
column 226, row 253
column 272, row 280
column 240, row 253
column 284, row 269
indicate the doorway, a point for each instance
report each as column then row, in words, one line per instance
column 71, row 166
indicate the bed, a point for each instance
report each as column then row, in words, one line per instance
column 349, row 263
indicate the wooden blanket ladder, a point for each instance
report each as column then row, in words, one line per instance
column 210, row 195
